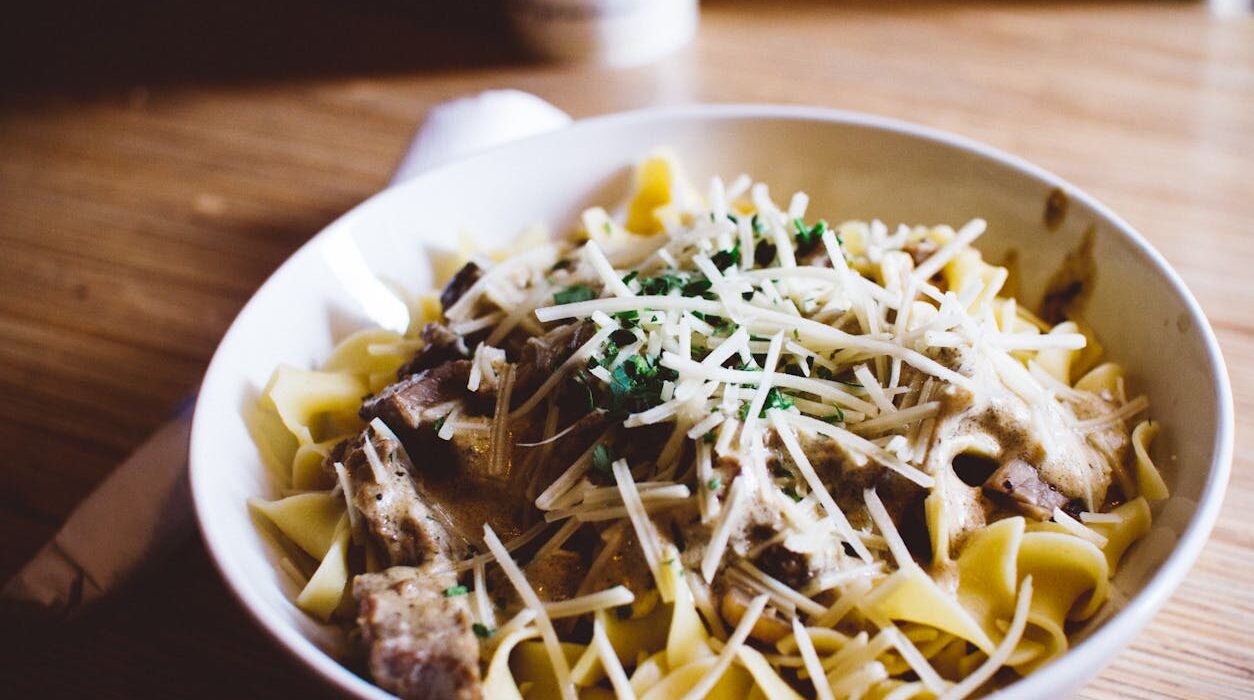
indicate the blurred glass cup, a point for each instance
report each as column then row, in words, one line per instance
column 616, row 33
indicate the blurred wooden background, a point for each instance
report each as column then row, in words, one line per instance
column 159, row 159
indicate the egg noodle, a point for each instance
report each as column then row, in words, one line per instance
column 827, row 461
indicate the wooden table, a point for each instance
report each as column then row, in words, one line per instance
column 157, row 162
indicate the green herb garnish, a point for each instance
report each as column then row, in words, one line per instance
column 627, row 278
column 636, row 384
column 808, row 236
column 837, row 417
column 662, row 284
column 577, row 293
column 622, row 337
column 764, row 253
column 777, row 399
column 455, row 591
column 627, row 318
column 602, row 460
column 481, row 631
column 439, row 423
column 713, row 484
column 791, row 492
column 724, row 259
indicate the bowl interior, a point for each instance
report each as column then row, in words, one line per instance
column 852, row 166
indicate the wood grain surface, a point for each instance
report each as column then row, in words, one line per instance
column 159, row 159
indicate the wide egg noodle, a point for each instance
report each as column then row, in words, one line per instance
column 911, row 595
column 304, row 399
column 1064, row 568
column 372, row 355
column 1058, row 361
column 1134, row 523
column 1148, row 478
column 968, row 268
column 499, row 681
column 531, row 668
column 309, row 520
column 326, row 588
column 987, row 573
column 307, row 471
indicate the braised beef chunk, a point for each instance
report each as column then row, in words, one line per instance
column 542, row 355
column 1022, row 485
column 421, row 643
column 397, row 519
column 793, row 568
column 462, row 281
column 440, row 345
column 408, row 402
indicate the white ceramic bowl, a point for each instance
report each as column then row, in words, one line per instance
column 852, row 165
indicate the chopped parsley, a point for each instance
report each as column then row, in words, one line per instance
column 778, row 399
column 774, row 399
column 758, row 226
column 696, row 288
column 627, row 278
column 708, row 438
column 808, row 237
column 724, row 259
column 720, row 324
column 602, row 460
column 455, row 591
column 791, row 492
column 713, row 484
column 439, row 423
column 583, row 379
column 764, row 253
column 662, row 284
column 481, row 631
column 636, row 384
column 627, row 318
column 837, row 417
column 622, row 337
column 570, row 295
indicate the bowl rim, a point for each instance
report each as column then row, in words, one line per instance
column 1084, row 659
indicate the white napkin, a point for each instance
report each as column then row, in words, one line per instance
column 143, row 510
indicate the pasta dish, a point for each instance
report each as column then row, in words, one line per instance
column 709, row 445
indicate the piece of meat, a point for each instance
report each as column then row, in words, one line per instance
column 409, row 402
column 847, row 476
column 406, row 529
column 421, row 644
column 542, row 355
column 1008, row 427
column 1022, row 485
column 440, row 346
column 463, row 280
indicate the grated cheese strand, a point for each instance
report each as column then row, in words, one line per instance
column 561, row 668
column 812, row 480
column 805, row 645
column 1002, row 653
column 752, row 612
column 646, row 533
column 884, row 523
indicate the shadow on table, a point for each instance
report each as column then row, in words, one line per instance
column 175, row 633
column 83, row 46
